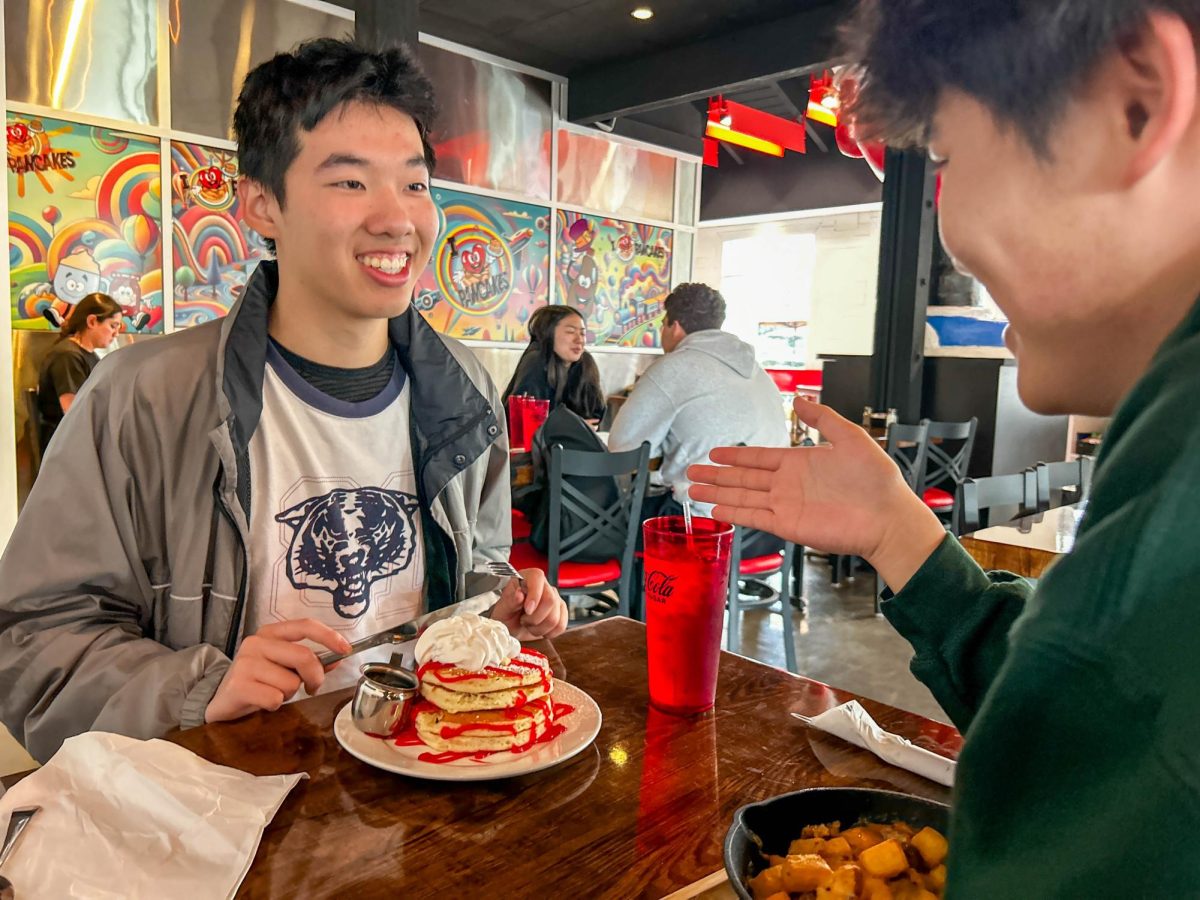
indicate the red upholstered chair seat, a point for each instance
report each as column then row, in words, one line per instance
column 761, row 565
column 936, row 498
column 570, row 574
column 521, row 526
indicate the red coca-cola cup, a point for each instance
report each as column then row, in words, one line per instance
column 687, row 579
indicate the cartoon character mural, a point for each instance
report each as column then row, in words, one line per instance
column 127, row 291
column 617, row 274
column 103, row 221
column 489, row 269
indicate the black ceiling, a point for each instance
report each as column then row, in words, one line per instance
column 568, row 36
column 650, row 79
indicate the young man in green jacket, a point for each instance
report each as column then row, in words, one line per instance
column 1068, row 136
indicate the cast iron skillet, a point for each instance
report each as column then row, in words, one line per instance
column 777, row 822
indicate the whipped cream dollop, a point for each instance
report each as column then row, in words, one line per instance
column 469, row 641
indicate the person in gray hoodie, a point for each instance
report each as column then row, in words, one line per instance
column 707, row 391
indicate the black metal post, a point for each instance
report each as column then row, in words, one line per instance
column 905, row 273
column 382, row 23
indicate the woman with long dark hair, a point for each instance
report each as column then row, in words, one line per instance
column 557, row 367
column 94, row 322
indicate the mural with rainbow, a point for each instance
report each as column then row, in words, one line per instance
column 85, row 205
column 617, row 274
column 214, row 250
column 489, row 270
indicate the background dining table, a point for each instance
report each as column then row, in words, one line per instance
column 1025, row 546
column 642, row 812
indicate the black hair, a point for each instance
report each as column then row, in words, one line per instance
column 293, row 91
column 99, row 305
column 576, row 384
column 696, row 307
column 1022, row 59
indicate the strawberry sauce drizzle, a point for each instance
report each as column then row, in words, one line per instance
column 409, row 737
column 521, row 709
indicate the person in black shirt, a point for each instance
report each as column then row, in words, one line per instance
column 94, row 322
column 556, row 367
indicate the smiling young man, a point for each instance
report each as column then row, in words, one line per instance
column 318, row 466
column 1068, row 136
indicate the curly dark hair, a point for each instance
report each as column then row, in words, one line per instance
column 1022, row 59
column 293, row 91
column 695, row 306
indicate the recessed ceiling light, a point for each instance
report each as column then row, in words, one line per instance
column 642, row 13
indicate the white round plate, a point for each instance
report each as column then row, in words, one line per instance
column 582, row 726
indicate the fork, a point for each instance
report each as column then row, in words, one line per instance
column 505, row 570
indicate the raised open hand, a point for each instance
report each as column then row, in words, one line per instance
column 846, row 496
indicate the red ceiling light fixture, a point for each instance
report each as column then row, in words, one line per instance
column 753, row 129
column 824, row 101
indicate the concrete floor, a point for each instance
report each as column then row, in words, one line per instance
column 841, row 642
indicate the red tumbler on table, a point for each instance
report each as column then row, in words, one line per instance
column 687, row 580
column 533, row 416
column 516, row 421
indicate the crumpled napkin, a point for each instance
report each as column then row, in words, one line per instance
column 852, row 723
column 123, row 818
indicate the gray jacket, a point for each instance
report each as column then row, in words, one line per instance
column 708, row 392
column 123, row 587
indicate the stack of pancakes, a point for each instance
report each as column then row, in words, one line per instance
column 505, row 707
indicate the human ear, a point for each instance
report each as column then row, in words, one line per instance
column 258, row 207
column 1155, row 78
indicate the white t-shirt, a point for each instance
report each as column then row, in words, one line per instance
column 335, row 526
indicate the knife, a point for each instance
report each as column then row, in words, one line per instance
column 413, row 628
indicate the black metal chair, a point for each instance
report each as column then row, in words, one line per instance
column 948, row 456
column 1053, row 478
column 979, row 498
column 591, row 523
column 747, row 591
column 908, row 446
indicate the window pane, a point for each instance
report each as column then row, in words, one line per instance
column 214, row 43
column 84, row 214
column 681, row 264
column 687, row 193
column 615, row 178
column 98, row 57
column 214, row 251
column 494, row 128
column 616, row 273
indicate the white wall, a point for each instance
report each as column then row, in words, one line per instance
column 842, row 279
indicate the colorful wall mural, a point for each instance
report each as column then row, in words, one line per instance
column 617, row 274
column 85, row 207
column 86, row 213
column 214, row 250
column 489, row 270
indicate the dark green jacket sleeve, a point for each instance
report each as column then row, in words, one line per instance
column 957, row 617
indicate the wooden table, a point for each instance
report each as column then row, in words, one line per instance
column 641, row 813
column 1025, row 546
